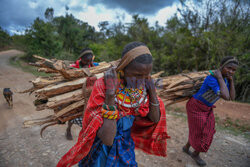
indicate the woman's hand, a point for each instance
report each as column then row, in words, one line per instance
column 154, row 105
column 217, row 74
column 150, row 85
column 108, row 130
column 111, row 81
column 223, row 88
column 230, row 78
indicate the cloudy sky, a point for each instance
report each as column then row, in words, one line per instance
column 18, row 14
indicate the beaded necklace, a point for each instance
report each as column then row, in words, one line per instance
column 130, row 98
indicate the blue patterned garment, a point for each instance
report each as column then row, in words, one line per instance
column 209, row 92
column 120, row 154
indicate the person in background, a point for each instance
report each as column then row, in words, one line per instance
column 85, row 60
column 200, row 114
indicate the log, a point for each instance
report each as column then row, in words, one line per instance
column 42, row 58
column 41, row 121
column 70, row 74
column 78, row 73
column 65, row 98
column 64, row 87
column 28, row 90
column 36, row 64
column 77, row 115
column 70, row 108
column 41, row 82
column 157, row 75
column 61, row 88
column 180, row 87
column 175, row 79
column 73, row 73
column 46, row 70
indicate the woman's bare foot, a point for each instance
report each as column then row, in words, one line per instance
column 196, row 157
column 186, row 150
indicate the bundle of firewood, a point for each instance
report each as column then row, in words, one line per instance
column 177, row 88
column 63, row 93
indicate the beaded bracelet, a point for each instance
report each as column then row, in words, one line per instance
column 156, row 105
column 109, row 107
column 211, row 72
column 109, row 114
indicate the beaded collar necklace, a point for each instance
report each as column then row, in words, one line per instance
column 130, row 97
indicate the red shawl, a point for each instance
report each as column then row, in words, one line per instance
column 201, row 125
column 148, row 136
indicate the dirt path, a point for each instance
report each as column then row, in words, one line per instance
column 24, row 147
column 19, row 146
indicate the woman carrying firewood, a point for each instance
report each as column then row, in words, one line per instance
column 85, row 60
column 123, row 113
column 201, row 120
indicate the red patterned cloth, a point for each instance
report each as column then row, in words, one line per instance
column 201, row 125
column 77, row 64
column 148, row 136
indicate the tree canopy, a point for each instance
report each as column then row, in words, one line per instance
column 196, row 38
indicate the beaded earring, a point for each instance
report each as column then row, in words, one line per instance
column 120, row 76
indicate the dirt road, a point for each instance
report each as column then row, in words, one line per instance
column 24, row 147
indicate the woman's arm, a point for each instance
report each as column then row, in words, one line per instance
column 108, row 130
column 224, row 93
column 154, row 105
column 232, row 88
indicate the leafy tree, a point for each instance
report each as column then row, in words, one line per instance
column 5, row 39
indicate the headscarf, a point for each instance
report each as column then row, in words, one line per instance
column 131, row 55
column 232, row 60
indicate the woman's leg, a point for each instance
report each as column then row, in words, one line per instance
column 68, row 131
column 186, row 148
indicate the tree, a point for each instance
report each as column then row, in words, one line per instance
column 5, row 39
column 49, row 14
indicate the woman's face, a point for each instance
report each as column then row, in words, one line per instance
column 228, row 70
column 136, row 74
column 86, row 61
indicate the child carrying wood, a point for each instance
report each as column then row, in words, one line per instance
column 200, row 114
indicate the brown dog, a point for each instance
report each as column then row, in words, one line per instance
column 8, row 96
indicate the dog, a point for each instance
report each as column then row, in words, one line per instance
column 7, row 93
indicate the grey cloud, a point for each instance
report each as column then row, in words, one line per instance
column 76, row 8
column 15, row 12
column 135, row 6
column 18, row 14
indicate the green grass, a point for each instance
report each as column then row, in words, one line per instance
column 233, row 130
column 18, row 62
column 234, row 127
column 176, row 111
